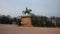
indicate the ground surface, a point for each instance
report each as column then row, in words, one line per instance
column 14, row 29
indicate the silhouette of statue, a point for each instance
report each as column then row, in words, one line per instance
column 27, row 11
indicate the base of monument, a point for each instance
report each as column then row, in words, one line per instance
column 26, row 21
column 26, row 25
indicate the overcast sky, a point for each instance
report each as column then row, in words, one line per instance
column 39, row 7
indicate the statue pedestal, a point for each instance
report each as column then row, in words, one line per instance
column 26, row 21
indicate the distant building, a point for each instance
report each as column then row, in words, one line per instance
column 55, row 21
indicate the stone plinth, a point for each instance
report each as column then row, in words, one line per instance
column 26, row 21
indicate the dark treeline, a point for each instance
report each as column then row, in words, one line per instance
column 37, row 21
column 9, row 20
column 43, row 21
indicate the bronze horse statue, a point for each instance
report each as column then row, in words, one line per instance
column 27, row 11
